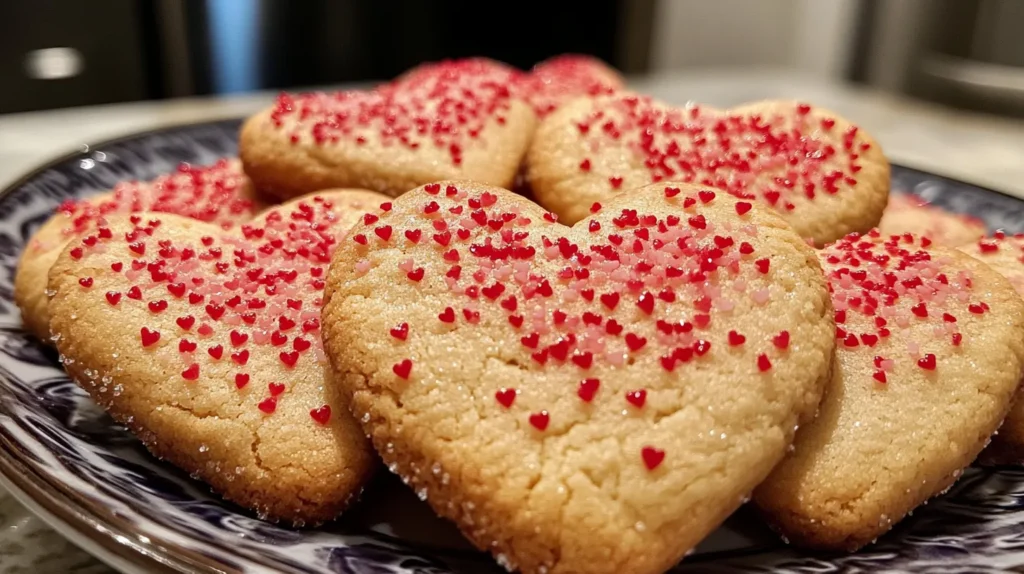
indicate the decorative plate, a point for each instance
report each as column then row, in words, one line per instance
column 92, row 481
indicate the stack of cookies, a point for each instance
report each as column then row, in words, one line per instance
column 696, row 309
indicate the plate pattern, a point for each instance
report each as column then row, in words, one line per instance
column 51, row 432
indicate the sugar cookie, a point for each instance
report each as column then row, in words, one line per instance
column 206, row 344
column 586, row 399
column 822, row 174
column 451, row 119
column 219, row 194
column 929, row 353
column 907, row 213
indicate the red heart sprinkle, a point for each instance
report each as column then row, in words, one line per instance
column 652, row 457
column 214, row 311
column 781, row 340
column 300, row 344
column 701, row 347
column 403, row 368
column 583, row 360
column 216, row 351
column 637, row 398
column 321, row 414
column 610, row 300
column 736, row 339
column 186, row 346
column 191, row 373
column 289, row 358
column 927, row 362
column 587, row 389
column 763, row 363
column 113, row 297
column 540, row 420
column 742, row 207
column 646, row 303
column 268, row 405
column 238, row 339
column 241, row 379
column 634, row 342
column 149, row 338
column 505, row 397
column 276, row 389
column 240, row 357
column 401, row 331
column 612, row 327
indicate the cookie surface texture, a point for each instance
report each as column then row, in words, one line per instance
column 908, row 213
column 206, row 344
column 1004, row 253
column 219, row 194
column 450, row 119
column 559, row 80
column 929, row 352
column 822, row 174
column 586, row 399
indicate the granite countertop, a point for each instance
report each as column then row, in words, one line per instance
column 979, row 149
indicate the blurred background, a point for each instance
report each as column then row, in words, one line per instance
column 64, row 53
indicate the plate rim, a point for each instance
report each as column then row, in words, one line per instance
column 103, row 534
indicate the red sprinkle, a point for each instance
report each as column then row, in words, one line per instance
column 637, row 398
column 587, row 389
column 505, row 397
column 540, row 420
column 149, row 338
column 321, row 414
column 191, row 373
column 403, row 368
column 652, row 457
column 401, row 332
column 781, row 340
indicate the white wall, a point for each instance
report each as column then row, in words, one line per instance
column 812, row 35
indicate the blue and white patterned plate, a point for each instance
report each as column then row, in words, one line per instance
column 95, row 483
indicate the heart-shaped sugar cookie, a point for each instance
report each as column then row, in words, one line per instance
column 929, row 353
column 558, row 80
column 907, row 213
column 206, row 344
column 1004, row 253
column 219, row 194
column 452, row 119
column 824, row 176
column 586, row 399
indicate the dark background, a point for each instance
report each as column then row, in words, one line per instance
column 142, row 49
